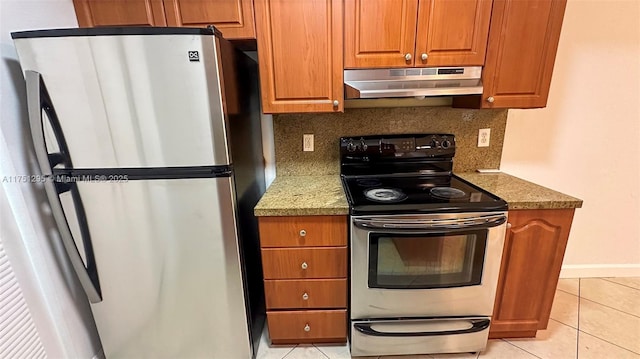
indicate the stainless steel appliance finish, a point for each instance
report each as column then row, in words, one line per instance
column 410, row 336
column 425, row 260
column 368, row 302
column 413, row 82
column 154, row 163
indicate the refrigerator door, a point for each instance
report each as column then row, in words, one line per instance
column 130, row 100
column 167, row 255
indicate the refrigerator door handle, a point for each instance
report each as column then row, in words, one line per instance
column 37, row 101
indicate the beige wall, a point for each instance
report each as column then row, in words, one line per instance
column 586, row 142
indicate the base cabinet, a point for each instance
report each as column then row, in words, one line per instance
column 304, row 261
column 533, row 252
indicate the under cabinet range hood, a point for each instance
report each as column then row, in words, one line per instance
column 413, row 82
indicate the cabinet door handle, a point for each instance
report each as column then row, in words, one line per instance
column 305, row 296
column 424, row 56
column 508, row 225
column 407, row 57
column 304, row 265
column 490, row 99
column 336, row 103
column 307, row 328
column 303, row 233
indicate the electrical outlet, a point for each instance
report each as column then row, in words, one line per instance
column 307, row 142
column 483, row 137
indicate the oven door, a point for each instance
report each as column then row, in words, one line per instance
column 425, row 265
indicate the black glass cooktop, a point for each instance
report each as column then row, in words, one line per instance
column 411, row 194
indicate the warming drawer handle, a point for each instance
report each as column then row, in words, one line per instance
column 477, row 325
column 456, row 224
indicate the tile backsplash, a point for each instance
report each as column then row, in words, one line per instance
column 328, row 128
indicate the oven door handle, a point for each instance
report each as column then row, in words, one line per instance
column 431, row 224
column 477, row 325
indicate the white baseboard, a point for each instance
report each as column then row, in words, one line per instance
column 599, row 270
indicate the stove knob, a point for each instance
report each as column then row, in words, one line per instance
column 363, row 144
column 351, row 147
column 434, row 144
column 446, row 144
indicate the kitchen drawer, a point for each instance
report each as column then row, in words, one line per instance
column 309, row 326
column 305, row 231
column 301, row 263
column 307, row 293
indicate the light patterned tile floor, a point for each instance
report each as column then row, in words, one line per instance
column 595, row 318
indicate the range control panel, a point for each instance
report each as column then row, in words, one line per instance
column 398, row 146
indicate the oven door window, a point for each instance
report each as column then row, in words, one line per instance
column 435, row 260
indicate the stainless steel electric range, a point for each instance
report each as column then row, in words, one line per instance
column 425, row 247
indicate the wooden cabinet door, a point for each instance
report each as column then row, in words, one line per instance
column 521, row 52
column 452, row 32
column 379, row 33
column 93, row 13
column 300, row 55
column 234, row 18
column 533, row 252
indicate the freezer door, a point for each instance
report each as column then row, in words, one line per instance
column 136, row 100
column 167, row 255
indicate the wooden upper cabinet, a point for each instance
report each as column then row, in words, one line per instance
column 379, row 33
column 521, row 52
column 452, row 33
column 533, row 252
column 415, row 33
column 234, row 18
column 94, row 13
column 300, row 55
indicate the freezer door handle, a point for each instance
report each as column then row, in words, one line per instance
column 56, row 158
column 38, row 100
column 477, row 325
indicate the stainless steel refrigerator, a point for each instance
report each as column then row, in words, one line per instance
column 149, row 144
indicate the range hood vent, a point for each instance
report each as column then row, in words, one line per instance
column 413, row 82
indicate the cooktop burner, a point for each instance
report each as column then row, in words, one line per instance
column 385, row 195
column 447, row 192
column 368, row 182
column 408, row 174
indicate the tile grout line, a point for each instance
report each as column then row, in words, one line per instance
column 610, row 307
column 608, row 342
column 524, row 350
column 624, row 285
column 289, row 352
column 564, row 291
column 323, row 353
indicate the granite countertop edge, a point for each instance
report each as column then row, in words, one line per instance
column 323, row 195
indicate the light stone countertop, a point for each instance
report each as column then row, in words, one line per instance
column 303, row 196
column 323, row 195
column 521, row 194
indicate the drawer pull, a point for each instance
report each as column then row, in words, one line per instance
column 303, row 233
column 305, row 296
column 307, row 328
column 304, row 265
